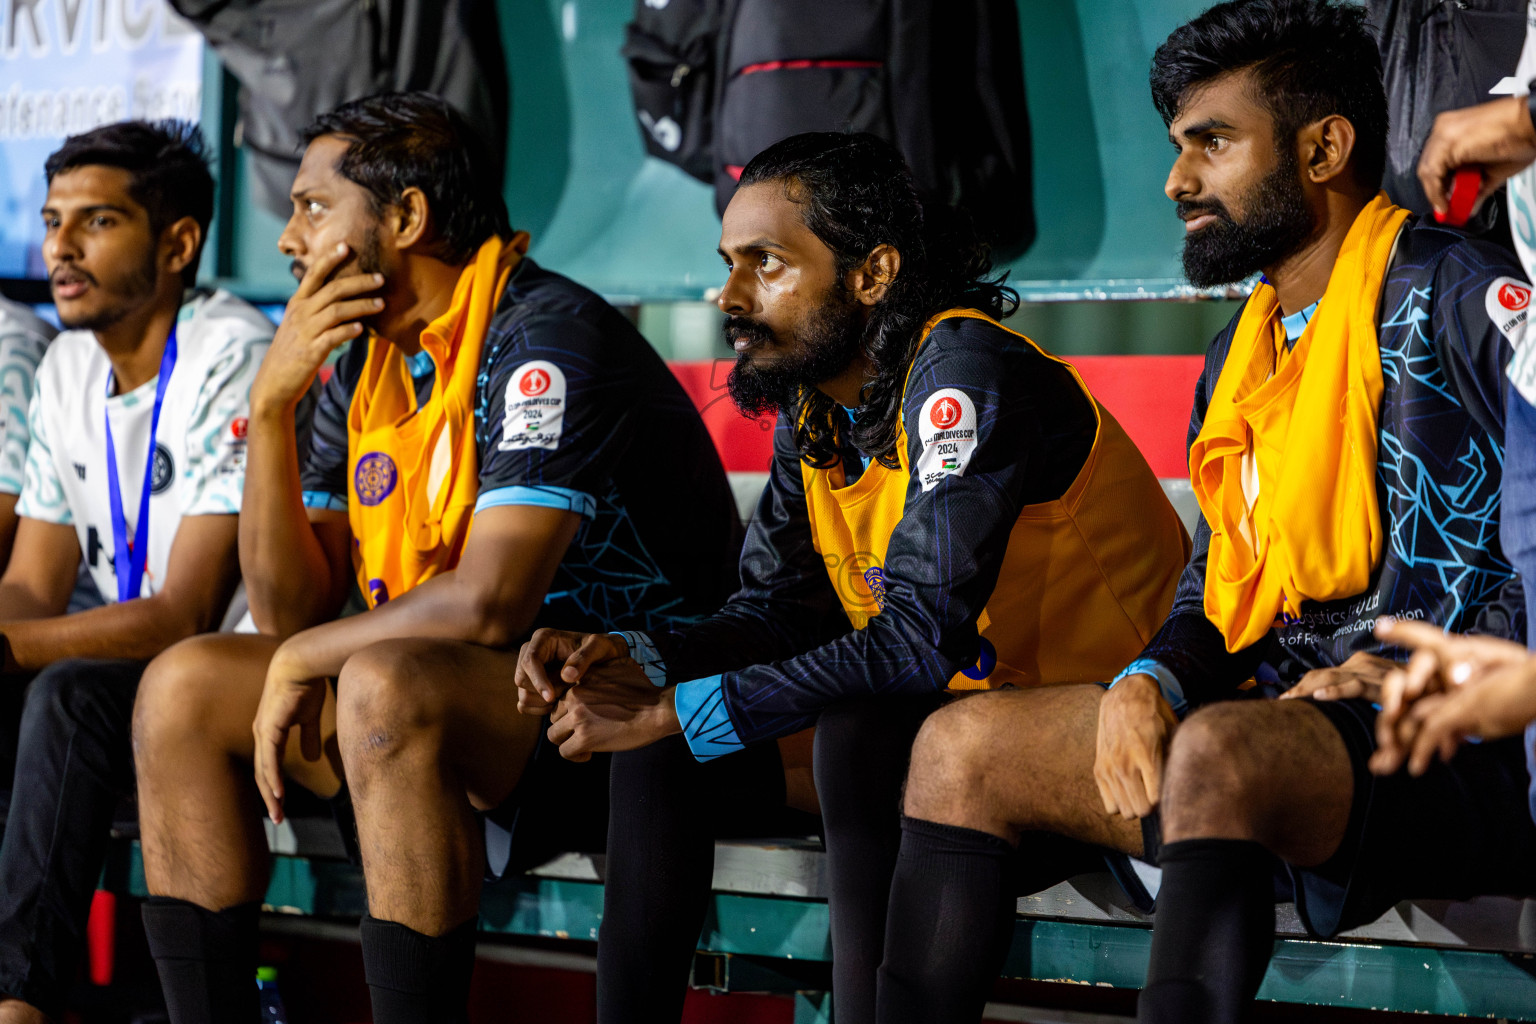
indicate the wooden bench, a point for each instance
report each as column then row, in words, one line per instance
column 767, row 924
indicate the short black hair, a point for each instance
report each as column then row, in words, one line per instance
column 402, row 140
column 1309, row 58
column 167, row 162
column 855, row 193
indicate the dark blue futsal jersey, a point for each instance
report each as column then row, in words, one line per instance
column 616, row 439
column 784, row 648
column 1449, row 309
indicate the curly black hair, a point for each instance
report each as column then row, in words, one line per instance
column 402, row 140
column 167, row 165
column 856, row 193
column 1309, row 58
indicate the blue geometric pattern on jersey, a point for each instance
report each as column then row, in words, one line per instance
column 1438, row 467
column 1444, row 525
column 608, row 576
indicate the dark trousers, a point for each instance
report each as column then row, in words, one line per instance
column 72, row 764
column 666, row 810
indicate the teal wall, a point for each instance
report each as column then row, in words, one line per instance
column 642, row 232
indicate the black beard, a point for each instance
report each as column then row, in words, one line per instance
column 1229, row 250
column 135, row 289
column 822, row 348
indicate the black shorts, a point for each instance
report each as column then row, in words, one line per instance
column 558, row 806
column 1462, row 829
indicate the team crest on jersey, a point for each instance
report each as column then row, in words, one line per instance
column 947, row 430
column 874, row 579
column 374, row 478
column 535, row 407
column 1508, row 301
column 164, row 473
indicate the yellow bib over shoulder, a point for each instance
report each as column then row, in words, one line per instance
column 414, row 473
column 1083, row 586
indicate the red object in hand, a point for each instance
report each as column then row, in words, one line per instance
column 1464, row 189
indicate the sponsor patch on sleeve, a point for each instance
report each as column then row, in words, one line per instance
column 1508, row 301
column 947, row 431
column 535, row 411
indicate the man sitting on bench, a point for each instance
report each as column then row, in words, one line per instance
column 945, row 511
column 498, row 448
column 136, row 460
column 1345, row 449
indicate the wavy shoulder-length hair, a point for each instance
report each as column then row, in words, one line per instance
column 856, row 193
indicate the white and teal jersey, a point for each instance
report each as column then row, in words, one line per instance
column 23, row 339
column 199, row 456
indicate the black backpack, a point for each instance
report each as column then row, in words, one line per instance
column 946, row 86
column 670, row 50
column 1438, row 55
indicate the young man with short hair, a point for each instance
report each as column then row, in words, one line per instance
column 944, row 513
column 136, row 463
column 498, row 449
column 1345, row 449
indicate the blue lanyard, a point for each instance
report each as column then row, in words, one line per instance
column 128, row 560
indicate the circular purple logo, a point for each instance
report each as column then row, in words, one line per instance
column 374, row 478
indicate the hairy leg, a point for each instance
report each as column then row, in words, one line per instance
column 1015, row 761
column 1245, row 781
column 1271, row 772
column 429, row 733
column 990, row 774
column 198, row 808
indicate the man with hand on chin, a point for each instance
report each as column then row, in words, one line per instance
column 136, row 462
column 497, row 449
column 1345, row 449
column 944, row 513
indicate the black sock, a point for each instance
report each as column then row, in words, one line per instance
column 415, row 978
column 206, row 960
column 1213, row 933
column 949, row 924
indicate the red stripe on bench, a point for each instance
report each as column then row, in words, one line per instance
column 1150, row 396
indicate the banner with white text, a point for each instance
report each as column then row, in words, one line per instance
column 67, row 66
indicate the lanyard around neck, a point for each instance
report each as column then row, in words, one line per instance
column 129, row 558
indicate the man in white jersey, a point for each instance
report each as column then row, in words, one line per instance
column 23, row 338
column 136, row 463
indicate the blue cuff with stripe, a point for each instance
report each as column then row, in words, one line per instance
column 326, row 500
column 1167, row 682
column 644, row 652
column 540, row 496
column 706, row 723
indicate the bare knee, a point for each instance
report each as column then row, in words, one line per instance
column 1217, row 774
column 386, row 706
column 178, row 702
column 949, row 777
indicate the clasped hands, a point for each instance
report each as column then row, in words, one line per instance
column 600, row 698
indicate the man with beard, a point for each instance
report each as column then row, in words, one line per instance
column 943, row 513
column 498, row 449
column 1345, row 448
column 136, row 460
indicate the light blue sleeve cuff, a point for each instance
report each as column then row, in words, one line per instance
column 644, row 652
column 542, row 497
column 706, row 724
column 1167, row 682
column 326, row 500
